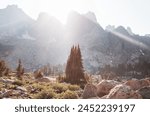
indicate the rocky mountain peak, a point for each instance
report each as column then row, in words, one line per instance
column 122, row 30
column 91, row 16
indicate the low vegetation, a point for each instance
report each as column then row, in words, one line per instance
column 29, row 88
column 54, row 90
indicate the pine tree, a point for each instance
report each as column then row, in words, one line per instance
column 7, row 72
column 74, row 68
column 3, row 68
column 20, row 69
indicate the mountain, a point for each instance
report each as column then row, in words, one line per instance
column 47, row 40
column 82, row 30
column 130, row 31
column 91, row 16
column 14, row 22
column 122, row 30
column 47, row 27
column 5, row 50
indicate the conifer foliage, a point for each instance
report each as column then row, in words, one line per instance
column 74, row 68
column 20, row 69
column 4, row 70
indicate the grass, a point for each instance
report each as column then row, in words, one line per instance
column 73, row 87
column 18, row 82
column 45, row 94
column 12, row 86
column 59, row 88
column 1, row 86
column 69, row 95
column 55, row 90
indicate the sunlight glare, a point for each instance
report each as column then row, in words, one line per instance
column 59, row 8
column 129, row 39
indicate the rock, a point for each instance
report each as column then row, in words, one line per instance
column 21, row 88
column 122, row 91
column 144, row 92
column 94, row 98
column 104, row 97
column 144, row 82
column 110, row 76
column 43, row 80
column 137, row 84
column 89, row 91
column 96, row 78
column 7, row 81
column 53, row 80
column 134, row 84
column 148, row 79
column 105, row 86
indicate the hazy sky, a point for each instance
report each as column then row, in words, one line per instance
column 132, row 13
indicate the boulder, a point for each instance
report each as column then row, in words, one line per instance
column 137, row 84
column 105, row 86
column 104, row 97
column 148, row 79
column 53, row 80
column 122, row 91
column 43, row 80
column 96, row 78
column 144, row 92
column 89, row 91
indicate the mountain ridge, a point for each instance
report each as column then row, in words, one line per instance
column 50, row 39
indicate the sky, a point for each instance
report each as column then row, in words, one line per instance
column 128, row 13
